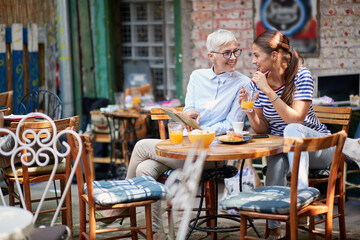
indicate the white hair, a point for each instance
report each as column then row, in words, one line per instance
column 218, row 38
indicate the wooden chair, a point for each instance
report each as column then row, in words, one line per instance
column 96, row 196
column 288, row 204
column 142, row 90
column 340, row 117
column 35, row 174
column 46, row 134
column 6, row 99
column 41, row 101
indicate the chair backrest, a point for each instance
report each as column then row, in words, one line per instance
column 83, row 171
column 29, row 130
column 47, row 148
column 298, row 145
column 6, row 100
column 334, row 116
column 41, row 101
column 141, row 89
column 159, row 115
column 183, row 185
column 339, row 116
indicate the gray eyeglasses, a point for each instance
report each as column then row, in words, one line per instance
column 228, row 54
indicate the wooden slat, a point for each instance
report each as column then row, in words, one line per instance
column 332, row 109
column 158, row 113
column 334, row 115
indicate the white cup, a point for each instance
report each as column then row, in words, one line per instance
column 238, row 127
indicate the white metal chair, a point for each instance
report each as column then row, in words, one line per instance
column 183, row 185
column 41, row 157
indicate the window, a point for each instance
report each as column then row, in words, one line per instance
column 147, row 34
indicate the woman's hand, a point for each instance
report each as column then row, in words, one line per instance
column 194, row 114
column 260, row 80
column 242, row 94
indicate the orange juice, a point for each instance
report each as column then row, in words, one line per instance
column 136, row 101
column 176, row 137
column 247, row 105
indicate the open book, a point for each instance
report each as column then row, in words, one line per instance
column 180, row 117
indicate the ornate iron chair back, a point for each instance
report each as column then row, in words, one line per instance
column 41, row 158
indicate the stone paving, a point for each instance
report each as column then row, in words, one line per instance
column 352, row 212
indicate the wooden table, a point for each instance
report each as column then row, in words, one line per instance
column 15, row 223
column 217, row 151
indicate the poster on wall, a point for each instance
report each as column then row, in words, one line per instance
column 297, row 19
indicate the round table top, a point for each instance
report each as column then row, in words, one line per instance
column 217, row 151
column 15, row 222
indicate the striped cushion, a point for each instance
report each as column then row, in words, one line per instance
column 130, row 190
column 34, row 171
column 270, row 199
column 166, row 174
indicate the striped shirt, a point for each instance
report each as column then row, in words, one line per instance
column 304, row 91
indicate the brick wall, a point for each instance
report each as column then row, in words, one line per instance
column 339, row 33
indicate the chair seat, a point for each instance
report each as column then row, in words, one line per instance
column 269, row 199
column 49, row 233
column 34, row 171
column 225, row 171
column 122, row 191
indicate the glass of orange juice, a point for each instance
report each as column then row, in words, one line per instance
column 175, row 133
column 248, row 101
column 136, row 97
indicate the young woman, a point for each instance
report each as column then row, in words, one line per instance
column 284, row 108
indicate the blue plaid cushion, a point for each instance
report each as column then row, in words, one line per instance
column 130, row 190
column 269, row 199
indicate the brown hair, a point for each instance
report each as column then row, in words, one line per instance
column 272, row 40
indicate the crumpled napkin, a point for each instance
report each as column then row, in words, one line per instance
column 325, row 100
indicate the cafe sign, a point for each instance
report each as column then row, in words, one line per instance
column 295, row 18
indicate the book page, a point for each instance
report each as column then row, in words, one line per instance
column 188, row 120
column 180, row 117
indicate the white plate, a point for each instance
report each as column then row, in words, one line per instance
column 244, row 132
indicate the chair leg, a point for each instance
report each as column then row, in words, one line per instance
column 92, row 222
column 27, row 195
column 243, row 226
column 267, row 231
column 341, row 210
column 68, row 203
column 133, row 221
column 149, row 235
column 293, row 229
column 312, row 228
column 63, row 212
column 11, row 193
column 328, row 225
column 82, row 220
